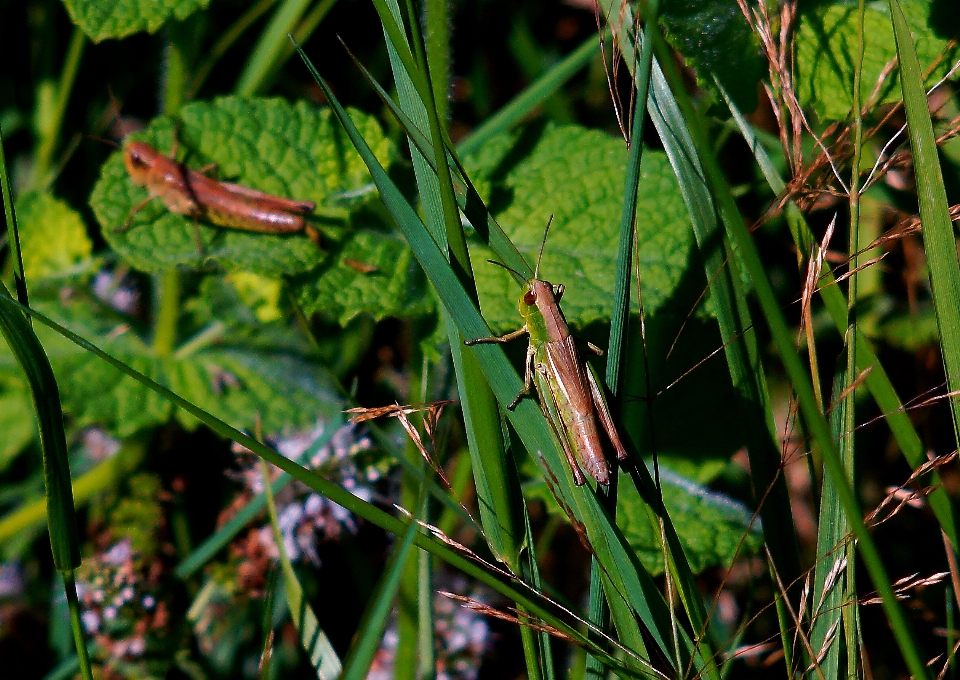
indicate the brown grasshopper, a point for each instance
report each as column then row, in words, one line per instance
column 189, row 192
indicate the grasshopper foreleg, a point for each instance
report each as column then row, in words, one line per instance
column 137, row 208
column 499, row 338
column 527, row 377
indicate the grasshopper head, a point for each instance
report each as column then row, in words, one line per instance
column 139, row 159
column 538, row 295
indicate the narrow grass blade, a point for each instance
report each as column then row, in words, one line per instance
column 877, row 381
column 464, row 561
column 629, row 580
column 530, row 98
column 799, row 379
column 13, row 234
column 938, row 241
column 323, row 658
column 495, row 478
column 267, row 49
column 376, row 615
column 91, row 483
column 204, row 552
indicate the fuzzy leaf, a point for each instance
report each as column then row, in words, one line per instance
column 576, row 175
column 710, row 525
column 243, row 381
column 102, row 20
column 373, row 273
column 53, row 237
column 291, row 151
column 827, row 47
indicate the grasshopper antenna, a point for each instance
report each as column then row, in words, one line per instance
column 536, row 270
column 509, row 269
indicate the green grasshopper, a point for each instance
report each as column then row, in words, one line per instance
column 570, row 396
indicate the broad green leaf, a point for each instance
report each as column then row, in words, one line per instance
column 827, row 45
column 287, row 150
column 246, row 380
column 710, row 525
column 120, row 18
column 373, row 273
column 17, row 423
column 576, row 175
column 715, row 36
column 53, row 237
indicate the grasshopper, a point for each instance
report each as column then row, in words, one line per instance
column 569, row 394
column 188, row 192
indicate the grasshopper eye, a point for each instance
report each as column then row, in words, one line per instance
column 137, row 159
column 558, row 292
column 530, row 298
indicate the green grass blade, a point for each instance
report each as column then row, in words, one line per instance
column 532, row 96
column 95, row 481
column 468, row 199
column 204, row 552
column 729, row 300
column 495, row 579
column 13, row 234
column 323, row 658
column 877, row 381
column 264, row 55
column 629, row 580
column 800, row 380
column 938, row 241
column 833, row 530
column 376, row 614
column 498, row 489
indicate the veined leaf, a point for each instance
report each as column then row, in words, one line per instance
column 103, row 20
column 575, row 174
column 246, row 381
column 291, row 151
column 53, row 237
column 827, row 45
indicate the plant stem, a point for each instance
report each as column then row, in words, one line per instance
column 50, row 121
column 165, row 330
column 73, row 604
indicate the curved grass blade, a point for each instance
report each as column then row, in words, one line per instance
column 629, row 580
column 877, row 381
column 531, row 97
column 96, row 480
column 323, row 658
column 377, row 612
column 783, row 338
column 204, row 552
column 464, row 561
column 938, row 241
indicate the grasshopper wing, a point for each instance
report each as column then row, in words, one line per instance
column 551, row 411
column 603, row 414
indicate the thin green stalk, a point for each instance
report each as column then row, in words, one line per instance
column 525, row 102
column 73, row 604
column 264, row 54
column 13, row 234
column 51, row 123
column 301, row 34
column 225, row 42
column 165, row 328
